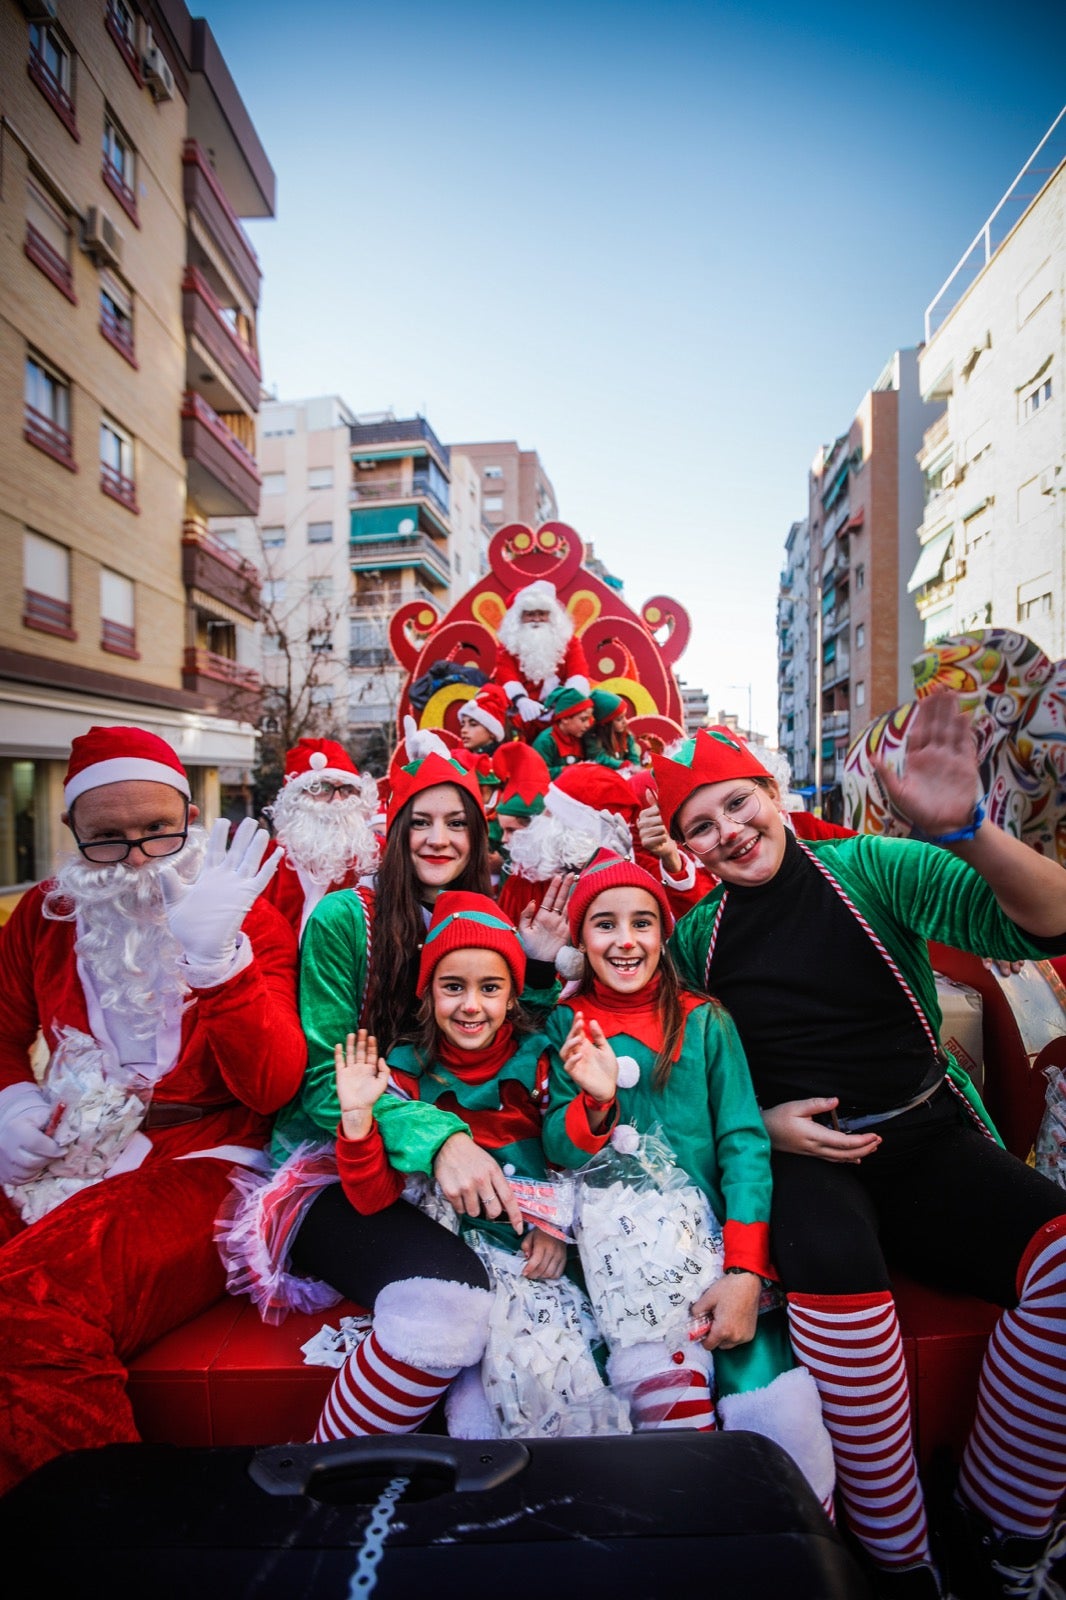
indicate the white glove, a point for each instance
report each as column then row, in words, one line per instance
column 422, row 742
column 529, row 710
column 579, row 683
column 24, row 1145
column 205, row 917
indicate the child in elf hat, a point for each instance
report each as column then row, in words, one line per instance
column 483, row 720
column 632, row 1046
column 473, row 1056
column 561, row 744
column 609, row 740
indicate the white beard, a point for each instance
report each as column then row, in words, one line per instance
column 538, row 647
column 326, row 839
column 549, row 846
column 123, row 936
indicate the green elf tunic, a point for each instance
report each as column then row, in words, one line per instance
column 558, row 751
column 708, row 1114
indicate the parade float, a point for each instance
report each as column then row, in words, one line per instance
column 629, row 653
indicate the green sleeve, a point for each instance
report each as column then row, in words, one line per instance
column 548, row 750
column 414, row 1132
column 559, row 1149
column 690, row 940
column 333, row 971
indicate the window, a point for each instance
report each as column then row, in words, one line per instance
column 273, row 483
column 978, row 526
column 117, row 627
column 122, row 27
column 319, row 532
column 860, row 635
column 1038, row 606
column 492, row 502
column 51, row 68
column 273, row 538
column 493, row 472
column 46, row 586
column 116, row 463
column 226, row 537
column 321, row 695
column 116, row 315
column 48, row 237
column 320, row 478
column 47, row 411
column 1037, row 397
column 320, row 640
column 860, row 694
column 860, row 576
column 273, row 590
column 119, row 169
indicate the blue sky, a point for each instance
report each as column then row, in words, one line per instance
column 668, row 247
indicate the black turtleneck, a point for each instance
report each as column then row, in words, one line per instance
column 816, row 1005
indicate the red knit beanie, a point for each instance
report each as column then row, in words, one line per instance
column 115, row 755
column 464, row 921
column 609, row 871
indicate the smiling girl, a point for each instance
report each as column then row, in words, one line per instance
column 634, row 1047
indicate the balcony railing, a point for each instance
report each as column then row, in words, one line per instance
column 118, row 486
column 47, row 615
column 223, row 476
column 934, row 436
column 49, row 436
column 392, row 489
column 205, row 195
column 118, row 639
column 402, row 550
column 364, row 435
column 219, row 572
column 205, row 664
column 203, row 317
column 51, row 263
column 834, row 723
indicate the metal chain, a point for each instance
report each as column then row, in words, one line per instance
column 365, row 1576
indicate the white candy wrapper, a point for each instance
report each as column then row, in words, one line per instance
column 648, row 1240
column 98, row 1106
column 331, row 1347
column 1049, row 1152
column 538, row 1370
column 424, row 1192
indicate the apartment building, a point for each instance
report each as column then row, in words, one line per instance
column 469, row 543
column 129, row 340
column 794, row 655
column 400, row 534
column 514, row 484
column 864, row 503
column 993, row 536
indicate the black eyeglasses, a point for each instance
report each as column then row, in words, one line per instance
column 104, row 852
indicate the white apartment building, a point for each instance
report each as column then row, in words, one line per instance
column 468, row 547
column 993, row 537
column 794, row 654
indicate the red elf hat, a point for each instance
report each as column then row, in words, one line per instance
column 607, row 870
column 713, row 756
column 418, row 776
column 465, row 921
column 114, row 755
column 525, row 779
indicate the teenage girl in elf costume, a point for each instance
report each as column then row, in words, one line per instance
column 475, row 1057
column 685, row 1071
column 882, row 1151
column 609, row 740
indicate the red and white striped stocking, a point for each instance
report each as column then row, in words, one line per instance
column 1014, row 1465
column 376, row 1393
column 852, row 1347
column 663, row 1389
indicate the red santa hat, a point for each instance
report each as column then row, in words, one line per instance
column 489, row 708
column 607, row 870
column 715, row 755
column 115, row 755
column 465, row 921
column 587, row 786
column 418, row 776
column 319, row 758
column 537, row 596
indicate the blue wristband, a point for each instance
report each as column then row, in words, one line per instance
column 960, row 833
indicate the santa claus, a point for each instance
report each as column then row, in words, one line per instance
column 160, row 981
column 323, row 824
column 537, row 651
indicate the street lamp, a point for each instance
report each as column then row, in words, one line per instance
column 746, row 686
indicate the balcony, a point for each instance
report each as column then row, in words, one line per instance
column 836, row 671
column 835, row 724
column 51, row 263
column 206, row 199
column 933, row 438
column 204, row 320
column 234, row 690
column 402, row 550
column 368, row 437
column 219, row 572
column 393, row 491
column 47, row 615
column 223, row 476
column 48, row 436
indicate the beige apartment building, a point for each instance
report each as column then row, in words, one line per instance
column 514, row 484
column 993, row 537
column 128, row 337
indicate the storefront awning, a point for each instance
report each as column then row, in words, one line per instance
column 932, row 558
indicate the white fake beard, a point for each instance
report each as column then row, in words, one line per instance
column 123, row 937
column 538, row 647
column 549, row 846
column 325, row 839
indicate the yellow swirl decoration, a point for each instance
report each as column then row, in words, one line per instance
column 548, row 540
column 584, row 607
column 522, row 541
column 488, row 609
column 652, row 616
column 638, row 697
column 437, row 705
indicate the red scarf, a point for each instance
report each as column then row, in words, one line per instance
column 477, row 1066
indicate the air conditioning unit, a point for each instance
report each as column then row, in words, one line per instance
column 101, row 239
column 39, row 10
column 157, row 73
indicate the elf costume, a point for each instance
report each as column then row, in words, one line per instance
column 559, row 748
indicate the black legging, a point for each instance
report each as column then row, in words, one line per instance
column 938, row 1199
column 359, row 1255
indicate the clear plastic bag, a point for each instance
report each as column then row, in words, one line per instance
column 648, row 1240
column 1050, row 1148
column 97, row 1108
column 539, row 1372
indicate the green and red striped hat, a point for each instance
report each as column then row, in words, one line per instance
column 465, row 921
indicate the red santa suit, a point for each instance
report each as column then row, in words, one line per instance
column 295, row 893
column 121, row 1262
column 508, row 672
